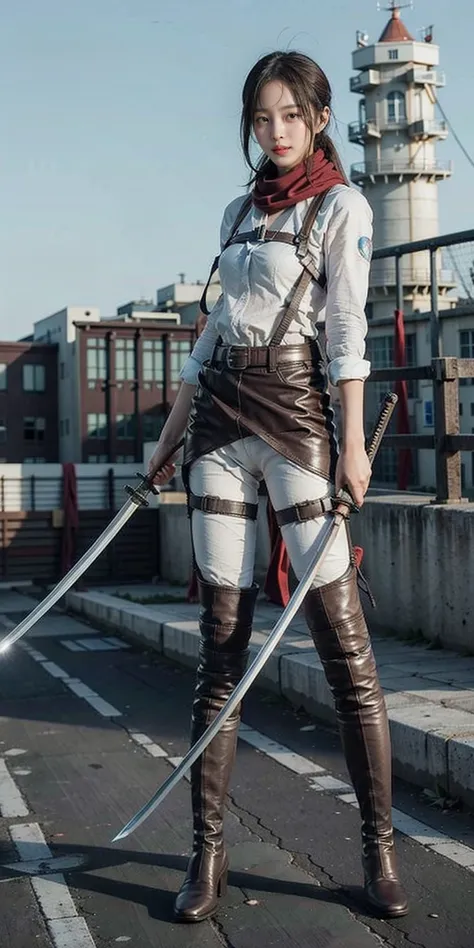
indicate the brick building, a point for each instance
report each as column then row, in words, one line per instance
column 28, row 402
column 129, row 374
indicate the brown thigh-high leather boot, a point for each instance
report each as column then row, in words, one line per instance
column 336, row 622
column 226, row 626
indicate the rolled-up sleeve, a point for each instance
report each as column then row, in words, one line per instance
column 347, row 254
column 204, row 346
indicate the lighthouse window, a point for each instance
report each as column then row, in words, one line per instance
column 393, row 54
column 396, row 107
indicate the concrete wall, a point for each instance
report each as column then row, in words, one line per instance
column 417, row 557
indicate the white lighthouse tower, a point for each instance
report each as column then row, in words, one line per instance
column 398, row 129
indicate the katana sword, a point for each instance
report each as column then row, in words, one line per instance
column 323, row 545
column 137, row 498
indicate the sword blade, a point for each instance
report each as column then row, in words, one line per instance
column 77, row 570
column 324, row 542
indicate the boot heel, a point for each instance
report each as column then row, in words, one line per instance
column 222, row 884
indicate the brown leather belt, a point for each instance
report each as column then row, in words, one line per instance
column 243, row 357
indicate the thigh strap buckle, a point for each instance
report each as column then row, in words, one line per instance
column 307, row 510
column 217, row 505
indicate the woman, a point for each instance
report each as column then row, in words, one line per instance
column 254, row 402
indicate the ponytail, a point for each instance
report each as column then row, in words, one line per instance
column 324, row 141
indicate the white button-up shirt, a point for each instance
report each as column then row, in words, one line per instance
column 256, row 279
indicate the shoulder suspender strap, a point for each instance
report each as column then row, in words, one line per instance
column 309, row 271
column 246, row 205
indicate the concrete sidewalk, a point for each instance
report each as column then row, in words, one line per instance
column 429, row 693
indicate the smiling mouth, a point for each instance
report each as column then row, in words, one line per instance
column 281, row 149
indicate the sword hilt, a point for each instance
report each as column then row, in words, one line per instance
column 386, row 410
column 146, row 486
column 387, row 407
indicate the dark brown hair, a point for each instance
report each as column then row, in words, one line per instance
column 310, row 86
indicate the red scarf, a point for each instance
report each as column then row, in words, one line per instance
column 312, row 176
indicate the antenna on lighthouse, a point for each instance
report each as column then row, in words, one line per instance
column 426, row 33
column 395, row 7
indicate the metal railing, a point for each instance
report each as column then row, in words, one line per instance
column 432, row 127
column 433, row 77
column 360, row 131
column 447, row 442
column 367, row 169
column 445, row 372
column 410, row 276
column 366, row 79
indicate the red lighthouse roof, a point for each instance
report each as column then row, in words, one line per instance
column 395, row 31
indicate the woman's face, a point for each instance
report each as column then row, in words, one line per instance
column 280, row 129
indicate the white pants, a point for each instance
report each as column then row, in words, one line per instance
column 224, row 545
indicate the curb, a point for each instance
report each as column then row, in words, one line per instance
column 432, row 745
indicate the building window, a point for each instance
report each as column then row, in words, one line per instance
column 34, row 378
column 97, row 459
column 386, row 466
column 33, row 429
column 393, row 54
column 396, row 108
column 125, row 459
column 460, row 408
column 3, row 376
column 96, row 360
column 151, row 426
column 466, row 350
column 97, row 425
column 34, row 460
column 3, row 430
column 380, row 351
column 428, row 414
column 153, row 370
column 466, row 343
column 124, row 359
column 179, row 352
column 125, row 426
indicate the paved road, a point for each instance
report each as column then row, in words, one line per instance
column 87, row 732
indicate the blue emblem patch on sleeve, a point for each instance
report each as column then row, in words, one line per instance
column 365, row 248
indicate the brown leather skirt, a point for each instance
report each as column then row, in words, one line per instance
column 279, row 395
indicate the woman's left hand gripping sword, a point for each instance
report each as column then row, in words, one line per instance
column 137, row 498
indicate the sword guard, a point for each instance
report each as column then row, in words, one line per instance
column 344, row 497
column 139, row 494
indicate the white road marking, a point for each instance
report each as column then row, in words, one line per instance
column 103, row 707
column 282, row 755
column 54, row 897
column 71, row 933
column 79, row 688
column 12, row 803
column 55, row 670
column 30, row 842
column 144, row 741
column 14, row 752
column 66, row 927
column 328, row 784
column 72, row 646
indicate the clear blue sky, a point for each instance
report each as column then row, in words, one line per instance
column 119, row 129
